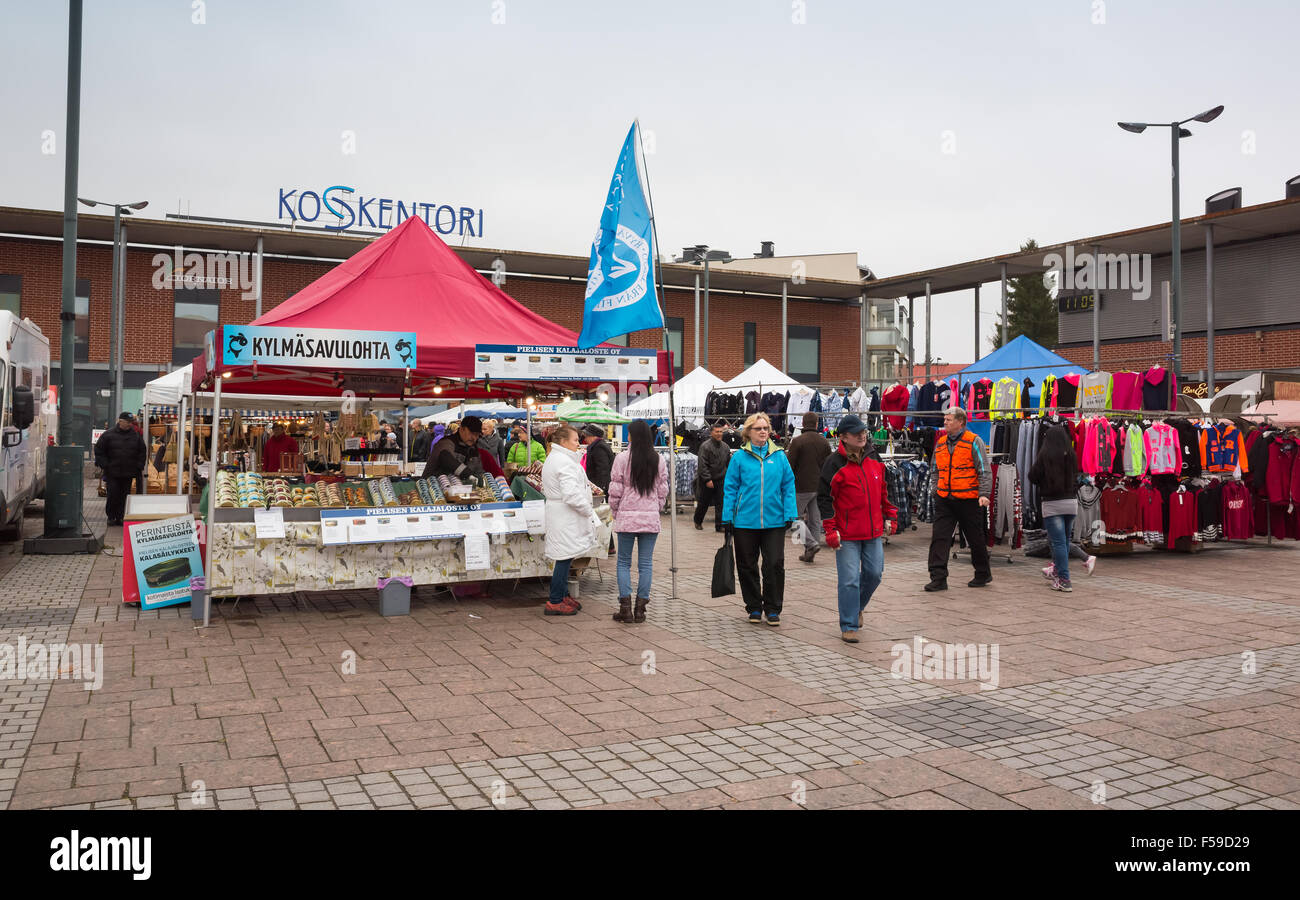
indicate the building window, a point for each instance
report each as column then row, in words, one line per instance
column 751, row 343
column 805, row 353
column 81, row 329
column 196, row 315
column 673, row 342
column 11, row 291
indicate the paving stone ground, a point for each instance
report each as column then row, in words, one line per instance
column 1163, row 681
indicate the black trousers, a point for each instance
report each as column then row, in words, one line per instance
column 709, row 496
column 117, row 487
column 749, row 544
column 967, row 515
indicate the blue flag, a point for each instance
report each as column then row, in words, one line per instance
column 620, row 277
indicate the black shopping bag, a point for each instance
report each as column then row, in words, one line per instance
column 724, row 569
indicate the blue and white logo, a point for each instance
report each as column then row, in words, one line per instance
column 620, row 276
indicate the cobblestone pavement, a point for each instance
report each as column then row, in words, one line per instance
column 1165, row 680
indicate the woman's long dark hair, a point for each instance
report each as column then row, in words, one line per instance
column 643, row 461
column 1058, row 452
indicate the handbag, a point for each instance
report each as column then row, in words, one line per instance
column 724, row 569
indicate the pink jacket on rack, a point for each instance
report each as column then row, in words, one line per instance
column 1126, row 390
column 635, row 513
column 1164, row 452
column 1283, row 477
column 1099, row 448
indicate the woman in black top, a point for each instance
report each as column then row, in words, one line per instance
column 1056, row 472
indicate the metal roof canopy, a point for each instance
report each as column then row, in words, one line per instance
column 198, row 236
column 1231, row 226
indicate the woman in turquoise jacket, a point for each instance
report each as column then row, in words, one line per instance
column 758, row 505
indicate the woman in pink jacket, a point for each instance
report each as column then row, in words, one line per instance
column 638, row 484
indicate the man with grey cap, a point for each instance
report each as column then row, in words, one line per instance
column 457, row 454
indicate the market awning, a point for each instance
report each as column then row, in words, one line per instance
column 406, row 281
column 589, row 412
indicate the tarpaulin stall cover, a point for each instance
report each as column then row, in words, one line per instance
column 406, row 281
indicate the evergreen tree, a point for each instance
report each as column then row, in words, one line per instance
column 1031, row 310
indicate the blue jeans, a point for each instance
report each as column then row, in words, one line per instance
column 860, row 566
column 645, row 562
column 560, row 580
column 1059, row 529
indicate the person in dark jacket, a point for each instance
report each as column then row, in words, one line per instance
column 712, row 469
column 1056, row 472
column 121, row 454
column 457, row 454
column 807, row 452
column 420, row 441
column 856, row 514
column 491, row 442
column 600, row 459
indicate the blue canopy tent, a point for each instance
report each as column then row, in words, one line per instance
column 1018, row 359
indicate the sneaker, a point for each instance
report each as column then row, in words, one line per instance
column 574, row 603
column 564, row 608
column 1059, row 585
column 811, row 552
column 937, row 585
column 1090, row 564
column 774, row 621
column 756, row 618
column 849, row 637
column 979, row 582
column 1049, row 572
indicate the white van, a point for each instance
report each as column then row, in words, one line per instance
column 25, row 422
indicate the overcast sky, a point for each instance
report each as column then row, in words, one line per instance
column 914, row 134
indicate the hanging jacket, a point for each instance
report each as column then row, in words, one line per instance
column 1095, row 391
column 1135, row 457
column 1223, row 449
column 1098, row 447
column 1126, row 391
column 895, row 400
column 1047, row 394
column 1282, row 454
column 852, row 497
column 1162, row 449
column 1157, row 390
column 1006, row 396
column 758, row 491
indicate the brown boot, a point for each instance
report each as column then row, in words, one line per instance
column 624, row 613
column 639, row 615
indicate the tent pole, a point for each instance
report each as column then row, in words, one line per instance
column 672, row 489
column 180, row 448
column 406, row 435
column 148, row 445
column 212, row 502
column 977, row 323
column 927, row 331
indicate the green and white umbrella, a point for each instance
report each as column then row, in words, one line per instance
column 589, row 411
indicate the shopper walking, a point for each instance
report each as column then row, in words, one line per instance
column 638, row 486
column 710, row 472
column 758, row 505
column 961, row 494
column 420, row 441
column 856, row 514
column 600, row 458
column 120, row 454
column 808, row 453
column 570, row 521
column 525, row 450
column 1056, row 472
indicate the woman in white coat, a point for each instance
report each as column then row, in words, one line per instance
column 570, row 520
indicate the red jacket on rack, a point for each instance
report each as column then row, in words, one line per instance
column 1281, row 482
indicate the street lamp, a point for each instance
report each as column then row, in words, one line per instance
column 1176, row 131
column 117, row 321
column 701, row 253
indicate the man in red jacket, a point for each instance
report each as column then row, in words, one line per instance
column 856, row 514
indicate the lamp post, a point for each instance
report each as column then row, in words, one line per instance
column 117, row 319
column 1176, row 133
column 697, row 254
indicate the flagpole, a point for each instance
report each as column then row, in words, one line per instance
column 672, row 418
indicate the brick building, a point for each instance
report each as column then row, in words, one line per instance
column 169, row 308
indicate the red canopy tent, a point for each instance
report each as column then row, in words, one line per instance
column 407, row 280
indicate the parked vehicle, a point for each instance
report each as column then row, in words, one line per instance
column 25, row 421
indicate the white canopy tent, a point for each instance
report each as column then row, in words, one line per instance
column 689, row 393
column 482, row 410
column 764, row 375
column 168, row 389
